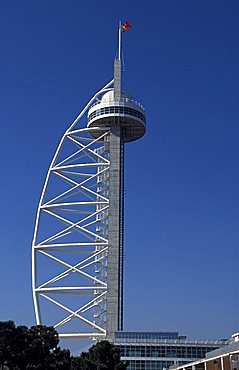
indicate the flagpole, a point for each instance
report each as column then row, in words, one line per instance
column 119, row 52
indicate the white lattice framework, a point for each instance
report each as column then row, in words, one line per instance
column 70, row 244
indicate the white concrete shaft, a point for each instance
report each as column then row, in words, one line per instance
column 113, row 293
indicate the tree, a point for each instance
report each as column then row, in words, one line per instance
column 6, row 338
column 33, row 349
column 37, row 349
column 101, row 356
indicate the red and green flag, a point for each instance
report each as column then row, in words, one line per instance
column 125, row 26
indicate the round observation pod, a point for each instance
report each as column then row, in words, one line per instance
column 126, row 112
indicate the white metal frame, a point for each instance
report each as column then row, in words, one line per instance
column 85, row 171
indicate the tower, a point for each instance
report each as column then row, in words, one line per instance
column 77, row 250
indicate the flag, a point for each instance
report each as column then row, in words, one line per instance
column 126, row 26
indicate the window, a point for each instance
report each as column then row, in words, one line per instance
column 118, row 110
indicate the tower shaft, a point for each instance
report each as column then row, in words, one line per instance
column 115, row 253
column 115, row 257
column 117, row 79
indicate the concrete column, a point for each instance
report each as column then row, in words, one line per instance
column 222, row 364
column 113, row 299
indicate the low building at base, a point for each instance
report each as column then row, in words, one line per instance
column 224, row 358
column 160, row 350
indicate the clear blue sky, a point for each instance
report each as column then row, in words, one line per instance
column 182, row 178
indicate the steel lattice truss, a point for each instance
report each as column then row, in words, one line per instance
column 69, row 251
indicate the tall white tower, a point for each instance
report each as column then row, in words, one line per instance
column 77, row 250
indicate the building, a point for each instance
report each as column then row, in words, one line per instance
column 78, row 242
column 224, row 358
column 160, row 350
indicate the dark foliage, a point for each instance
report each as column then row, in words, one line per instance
column 37, row 349
column 6, row 337
column 101, row 356
column 32, row 349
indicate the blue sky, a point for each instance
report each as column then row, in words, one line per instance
column 182, row 180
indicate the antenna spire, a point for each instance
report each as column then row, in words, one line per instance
column 120, row 31
column 117, row 69
column 122, row 28
column 117, row 65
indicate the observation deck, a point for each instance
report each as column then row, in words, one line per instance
column 128, row 113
